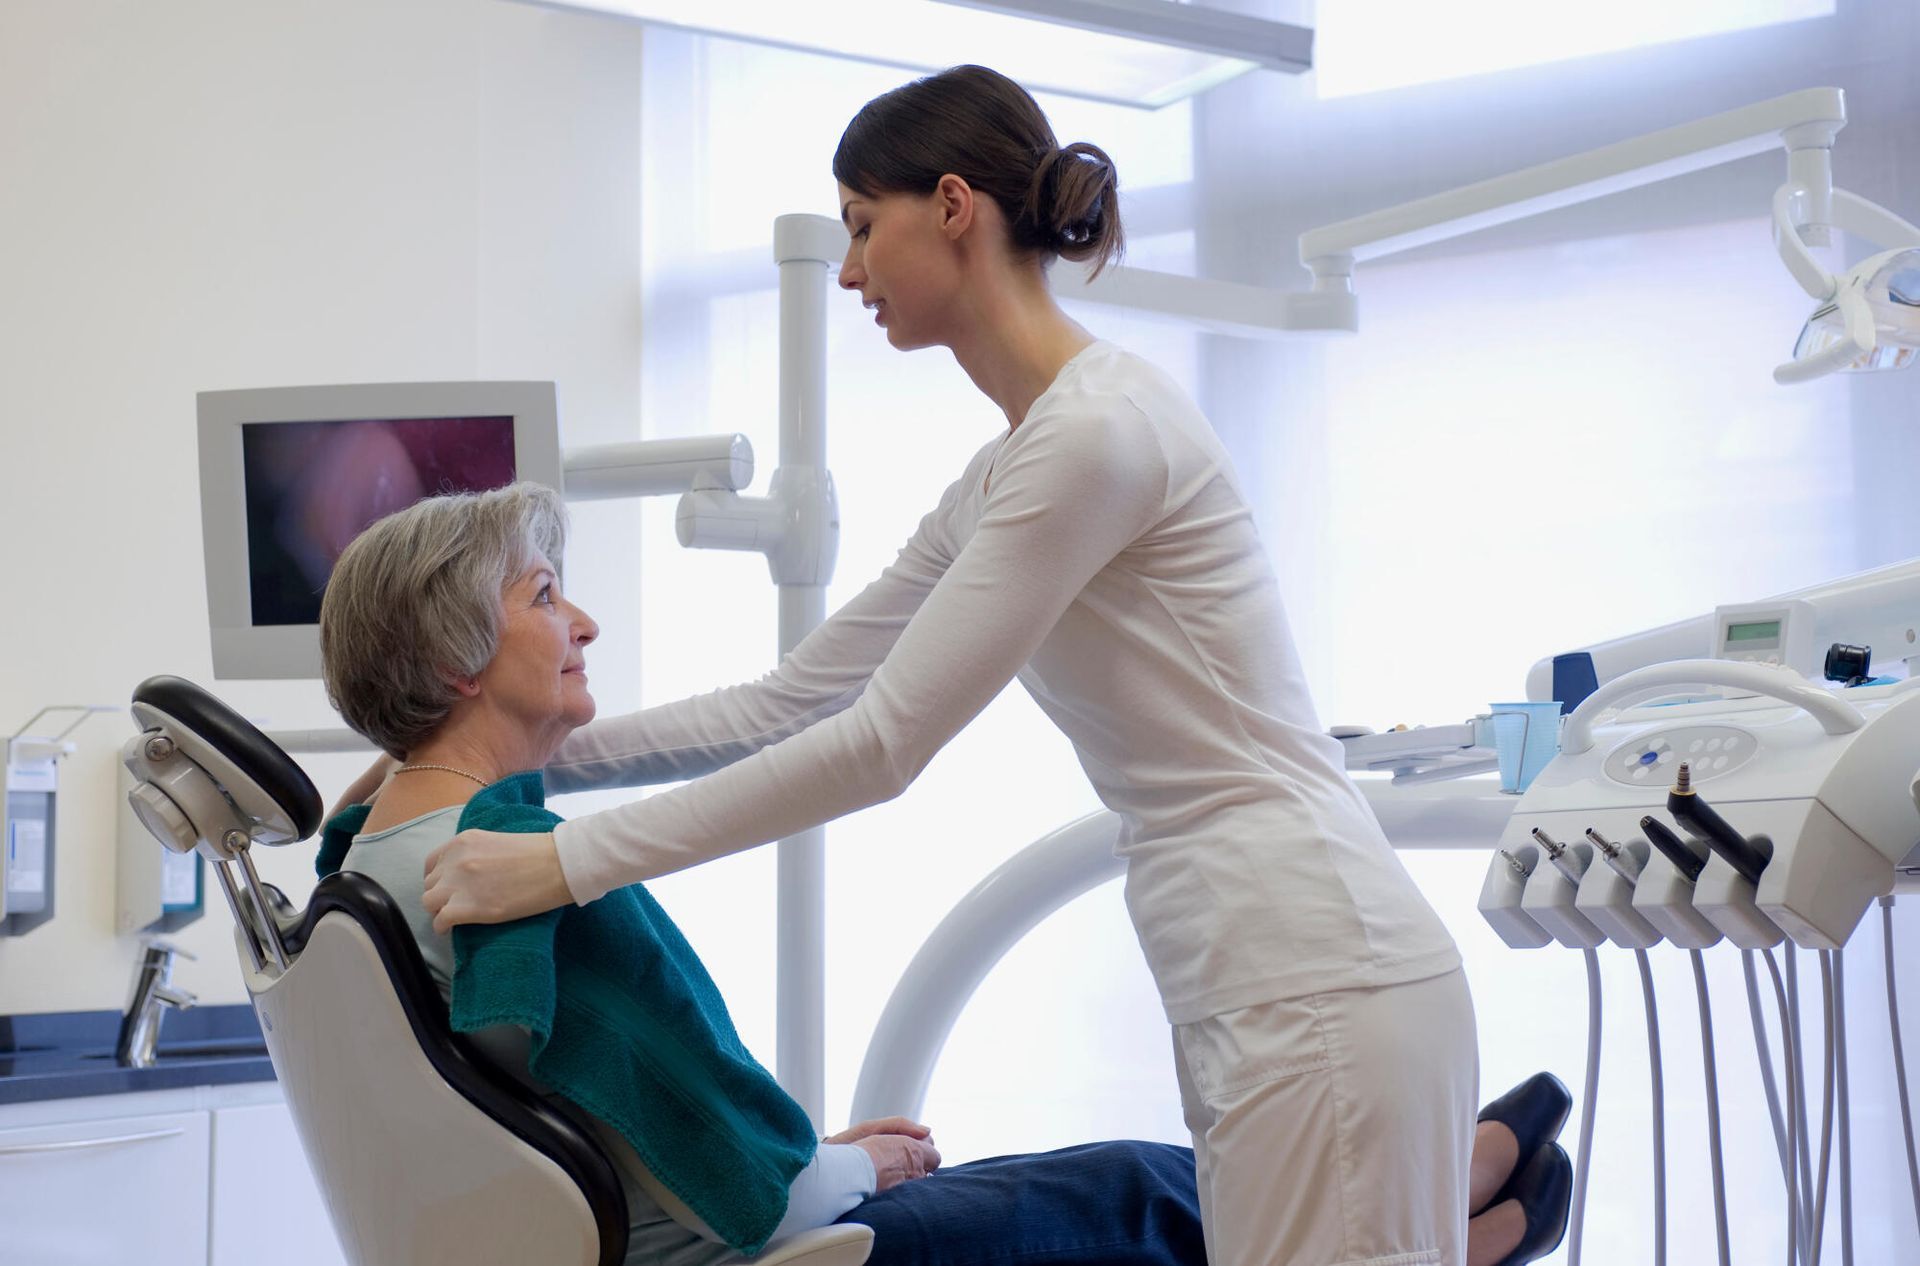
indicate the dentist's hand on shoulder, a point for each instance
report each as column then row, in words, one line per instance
column 493, row 877
column 901, row 1150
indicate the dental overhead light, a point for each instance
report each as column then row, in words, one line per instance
column 1868, row 318
column 1131, row 52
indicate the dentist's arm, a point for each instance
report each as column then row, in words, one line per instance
column 820, row 677
column 1068, row 496
column 1070, row 493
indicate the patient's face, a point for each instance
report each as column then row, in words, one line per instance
column 537, row 680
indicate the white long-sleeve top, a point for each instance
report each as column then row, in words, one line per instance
column 1102, row 552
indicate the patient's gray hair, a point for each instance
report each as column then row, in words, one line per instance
column 414, row 605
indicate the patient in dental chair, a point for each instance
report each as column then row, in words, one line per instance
column 447, row 641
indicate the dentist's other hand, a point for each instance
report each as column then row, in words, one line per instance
column 493, row 877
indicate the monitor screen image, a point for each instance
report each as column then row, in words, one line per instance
column 290, row 475
column 311, row 487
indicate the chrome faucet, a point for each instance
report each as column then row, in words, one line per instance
column 153, row 991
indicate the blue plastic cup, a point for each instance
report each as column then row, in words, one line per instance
column 1525, row 737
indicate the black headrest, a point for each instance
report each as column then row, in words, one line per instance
column 236, row 738
column 454, row 1057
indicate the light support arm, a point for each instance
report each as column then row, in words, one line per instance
column 1804, row 122
column 650, row 468
column 797, row 524
column 1217, row 307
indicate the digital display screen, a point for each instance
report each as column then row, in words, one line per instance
column 311, row 487
column 1758, row 631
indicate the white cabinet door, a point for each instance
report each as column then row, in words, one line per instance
column 266, row 1206
column 128, row 1189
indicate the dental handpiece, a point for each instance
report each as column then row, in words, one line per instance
column 1623, row 862
column 1676, row 850
column 1564, row 859
column 1685, row 804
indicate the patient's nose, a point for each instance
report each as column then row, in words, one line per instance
column 585, row 629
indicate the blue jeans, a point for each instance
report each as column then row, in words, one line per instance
column 1103, row 1204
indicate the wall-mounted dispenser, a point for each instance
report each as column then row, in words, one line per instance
column 27, row 821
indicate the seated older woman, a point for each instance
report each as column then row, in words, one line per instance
column 446, row 640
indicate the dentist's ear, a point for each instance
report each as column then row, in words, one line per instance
column 955, row 199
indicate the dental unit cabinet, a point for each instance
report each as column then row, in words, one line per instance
column 1817, row 787
column 1764, row 797
column 1770, row 804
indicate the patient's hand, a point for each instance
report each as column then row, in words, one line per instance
column 898, row 1158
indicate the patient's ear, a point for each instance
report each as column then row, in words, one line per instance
column 467, row 687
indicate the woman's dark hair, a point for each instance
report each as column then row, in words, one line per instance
column 981, row 126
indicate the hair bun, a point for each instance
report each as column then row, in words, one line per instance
column 1071, row 202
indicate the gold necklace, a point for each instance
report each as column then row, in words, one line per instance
column 450, row 769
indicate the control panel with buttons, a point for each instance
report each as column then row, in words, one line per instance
column 1711, row 750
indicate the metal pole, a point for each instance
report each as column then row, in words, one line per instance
column 800, row 940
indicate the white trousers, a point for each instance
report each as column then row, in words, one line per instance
column 1335, row 1129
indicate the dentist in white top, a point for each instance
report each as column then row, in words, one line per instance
column 1101, row 551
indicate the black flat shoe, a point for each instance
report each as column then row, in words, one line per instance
column 1544, row 1188
column 1534, row 1110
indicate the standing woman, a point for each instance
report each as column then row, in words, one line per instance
column 1101, row 550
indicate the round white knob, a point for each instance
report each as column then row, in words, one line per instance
column 162, row 818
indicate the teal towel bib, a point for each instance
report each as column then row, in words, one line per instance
column 627, row 1024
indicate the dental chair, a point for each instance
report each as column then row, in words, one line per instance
column 425, row 1154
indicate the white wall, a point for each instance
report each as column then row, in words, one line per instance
column 204, row 194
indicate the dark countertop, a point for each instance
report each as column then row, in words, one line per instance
column 69, row 1054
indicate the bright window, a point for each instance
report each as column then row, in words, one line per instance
column 1367, row 45
column 1530, row 450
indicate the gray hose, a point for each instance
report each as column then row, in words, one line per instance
column 1899, row 1056
column 1713, row 1112
column 1591, row 1099
column 1817, row 1225
column 1659, row 1110
column 1842, row 1105
column 1767, row 1083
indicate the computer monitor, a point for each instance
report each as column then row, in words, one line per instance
column 290, row 475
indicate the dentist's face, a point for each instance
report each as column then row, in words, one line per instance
column 901, row 258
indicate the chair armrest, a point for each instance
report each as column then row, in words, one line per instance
column 843, row 1244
